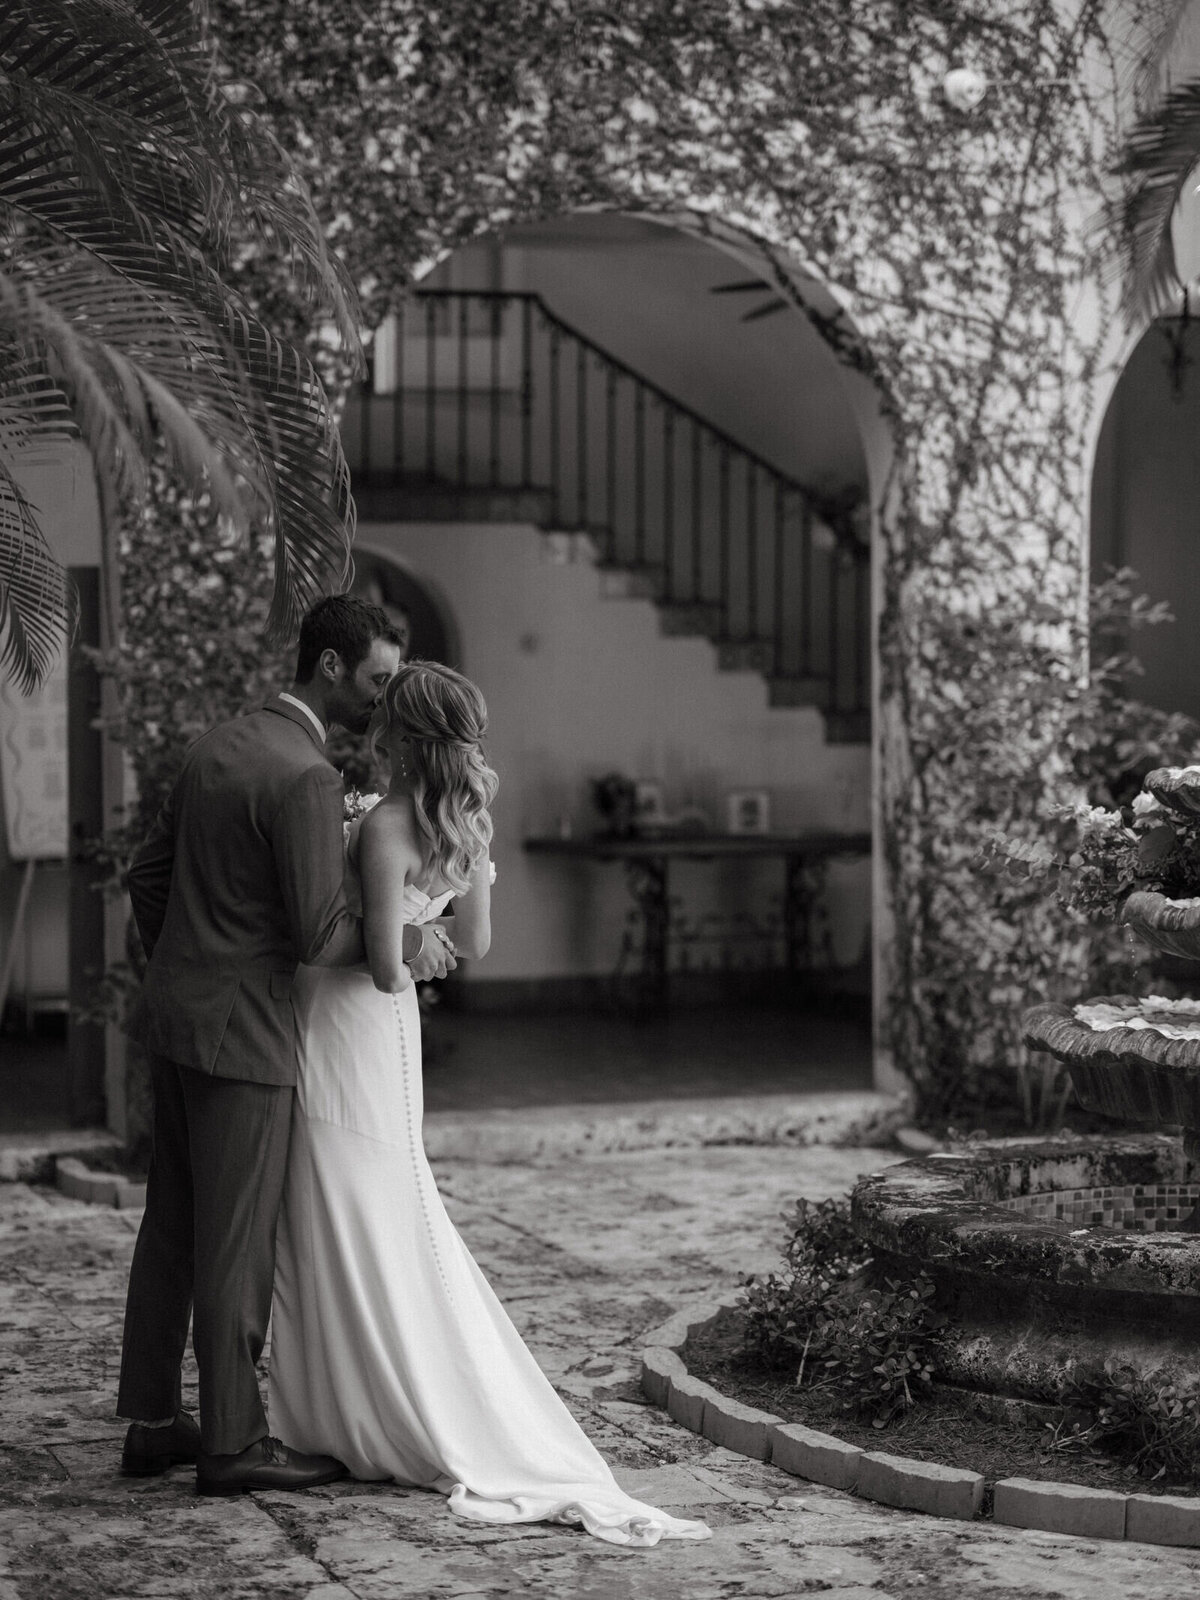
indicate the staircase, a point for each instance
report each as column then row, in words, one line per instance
column 486, row 406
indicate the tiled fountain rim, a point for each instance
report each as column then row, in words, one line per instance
column 1136, row 1207
column 945, row 1210
column 901, row 1481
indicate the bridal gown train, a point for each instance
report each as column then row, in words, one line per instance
column 389, row 1348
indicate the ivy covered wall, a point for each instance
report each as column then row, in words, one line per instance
column 964, row 243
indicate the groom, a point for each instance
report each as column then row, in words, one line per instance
column 239, row 880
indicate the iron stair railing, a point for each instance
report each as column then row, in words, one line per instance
column 490, row 393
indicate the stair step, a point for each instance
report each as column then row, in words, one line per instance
column 680, row 619
column 628, row 581
column 746, row 655
column 390, row 497
column 847, row 727
column 799, row 691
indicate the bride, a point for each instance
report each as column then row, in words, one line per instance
column 388, row 1347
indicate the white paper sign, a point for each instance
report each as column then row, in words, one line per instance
column 33, row 767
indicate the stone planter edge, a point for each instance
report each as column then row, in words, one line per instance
column 907, row 1484
column 78, row 1182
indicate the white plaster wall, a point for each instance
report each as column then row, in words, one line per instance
column 578, row 684
column 62, row 487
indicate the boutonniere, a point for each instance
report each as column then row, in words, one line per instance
column 355, row 804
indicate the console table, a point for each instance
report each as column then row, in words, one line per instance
column 647, row 860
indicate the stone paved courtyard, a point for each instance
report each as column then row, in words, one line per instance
column 588, row 1254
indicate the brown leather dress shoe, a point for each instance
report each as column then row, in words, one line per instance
column 149, row 1451
column 267, row 1464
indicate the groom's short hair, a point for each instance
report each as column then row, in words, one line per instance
column 343, row 622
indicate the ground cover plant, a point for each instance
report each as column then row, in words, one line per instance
column 929, row 1431
column 826, row 1342
column 871, row 1343
column 1155, row 1427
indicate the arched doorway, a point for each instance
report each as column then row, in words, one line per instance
column 421, row 616
column 621, row 378
column 1145, row 502
column 529, row 441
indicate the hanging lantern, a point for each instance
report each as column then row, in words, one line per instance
column 964, row 88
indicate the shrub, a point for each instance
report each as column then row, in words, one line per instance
column 880, row 1348
column 874, row 1345
column 821, row 1254
column 1154, row 1425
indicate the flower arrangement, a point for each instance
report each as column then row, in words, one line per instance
column 1098, row 856
column 615, row 798
column 356, row 804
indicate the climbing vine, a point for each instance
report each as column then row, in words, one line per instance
column 963, row 242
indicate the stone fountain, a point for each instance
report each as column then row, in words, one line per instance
column 1059, row 1252
column 1138, row 1061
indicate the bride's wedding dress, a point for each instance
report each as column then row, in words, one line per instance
column 388, row 1347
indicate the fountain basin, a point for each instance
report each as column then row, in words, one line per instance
column 1169, row 925
column 1176, row 788
column 1132, row 1074
column 1047, row 1255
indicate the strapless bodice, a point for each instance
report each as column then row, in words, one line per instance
column 422, row 907
column 419, row 905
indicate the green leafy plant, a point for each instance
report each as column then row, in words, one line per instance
column 874, row 1345
column 881, row 1350
column 1037, row 765
column 783, row 1309
column 1154, row 1425
column 614, row 797
column 951, row 245
column 1093, row 857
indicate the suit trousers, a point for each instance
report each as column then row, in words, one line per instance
column 206, row 1250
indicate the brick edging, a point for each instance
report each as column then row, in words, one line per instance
column 78, row 1182
column 899, row 1481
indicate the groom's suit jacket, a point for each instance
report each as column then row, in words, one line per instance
column 239, row 880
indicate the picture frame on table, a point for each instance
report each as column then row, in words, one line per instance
column 748, row 811
column 649, row 808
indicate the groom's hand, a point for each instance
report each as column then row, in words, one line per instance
column 434, row 957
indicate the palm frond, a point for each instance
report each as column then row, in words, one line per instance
column 124, row 175
column 55, row 149
column 196, row 159
column 243, row 416
column 277, row 206
column 36, row 600
column 1161, row 155
column 146, row 58
column 35, row 419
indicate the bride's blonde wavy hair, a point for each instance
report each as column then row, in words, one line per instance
column 444, row 718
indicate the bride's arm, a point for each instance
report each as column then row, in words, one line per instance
column 387, row 858
column 470, row 928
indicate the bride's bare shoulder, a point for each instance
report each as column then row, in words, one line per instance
column 390, row 828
